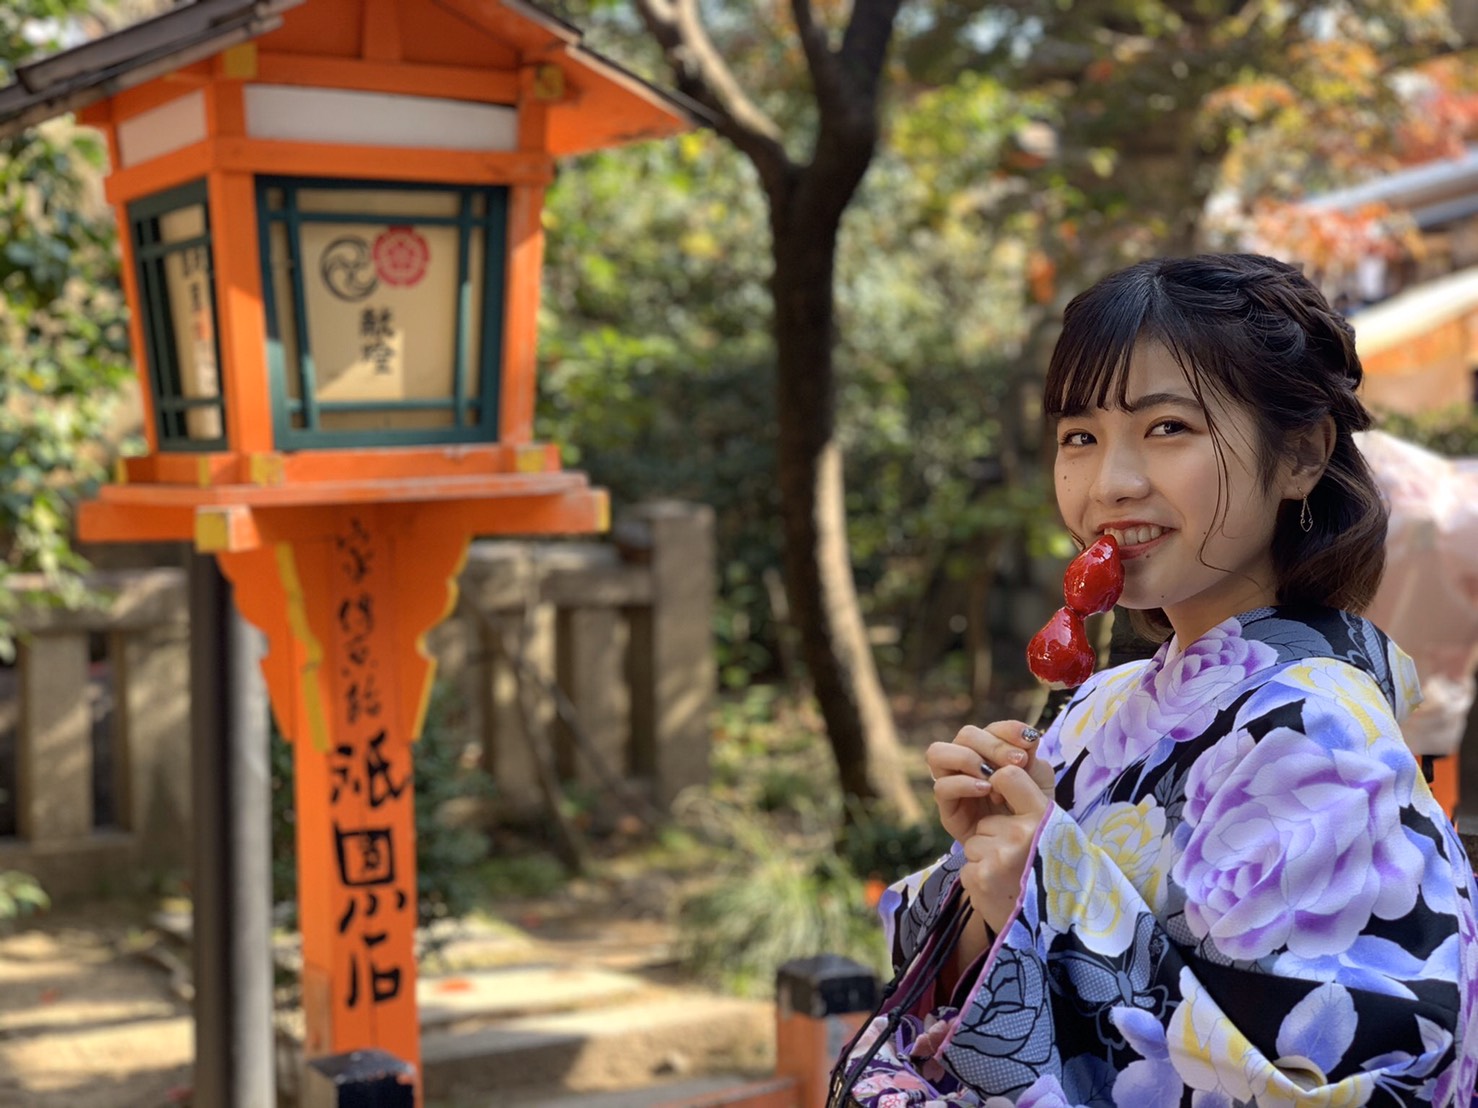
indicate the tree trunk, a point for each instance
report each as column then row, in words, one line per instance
column 807, row 202
column 818, row 564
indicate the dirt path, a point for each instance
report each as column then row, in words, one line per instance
column 88, row 1017
column 84, row 1022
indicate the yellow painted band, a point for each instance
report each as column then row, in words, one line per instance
column 297, row 618
column 212, row 531
column 240, row 62
column 530, row 459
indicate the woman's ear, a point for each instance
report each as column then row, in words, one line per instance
column 1309, row 452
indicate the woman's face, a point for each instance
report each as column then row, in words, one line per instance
column 1149, row 474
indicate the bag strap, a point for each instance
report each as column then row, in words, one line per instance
column 921, row 972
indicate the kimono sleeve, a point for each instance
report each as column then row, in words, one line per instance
column 909, row 905
column 1294, row 926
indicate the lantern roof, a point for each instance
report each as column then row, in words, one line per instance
column 99, row 68
column 613, row 97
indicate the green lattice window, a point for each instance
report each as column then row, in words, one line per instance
column 172, row 258
column 384, row 308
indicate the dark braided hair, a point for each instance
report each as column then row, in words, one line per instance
column 1255, row 332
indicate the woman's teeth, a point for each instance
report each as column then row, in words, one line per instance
column 1135, row 536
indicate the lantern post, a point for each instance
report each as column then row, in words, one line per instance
column 330, row 217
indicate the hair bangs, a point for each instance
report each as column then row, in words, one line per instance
column 1100, row 328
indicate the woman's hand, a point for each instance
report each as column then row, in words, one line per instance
column 996, row 853
column 963, row 772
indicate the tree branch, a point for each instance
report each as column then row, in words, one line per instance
column 826, row 77
column 702, row 73
column 847, row 134
column 865, row 47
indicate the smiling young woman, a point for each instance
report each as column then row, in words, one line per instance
column 1219, row 878
column 1145, row 472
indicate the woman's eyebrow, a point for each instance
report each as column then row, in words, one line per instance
column 1148, row 400
column 1159, row 399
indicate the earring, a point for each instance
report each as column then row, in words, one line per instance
column 1306, row 517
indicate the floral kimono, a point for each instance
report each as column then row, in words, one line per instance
column 1243, row 894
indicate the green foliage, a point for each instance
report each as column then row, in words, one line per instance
column 527, row 873
column 774, row 899
column 1453, row 432
column 20, row 895
column 448, row 855
column 784, row 884
column 655, row 343
column 769, row 756
column 886, row 851
column 284, row 822
column 658, row 374
column 1027, row 152
column 62, row 331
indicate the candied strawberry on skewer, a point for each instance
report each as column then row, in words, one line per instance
column 1094, row 579
column 1060, row 653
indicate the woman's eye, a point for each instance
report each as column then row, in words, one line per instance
column 1168, row 427
column 1075, row 438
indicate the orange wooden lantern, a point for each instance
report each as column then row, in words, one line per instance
column 332, row 252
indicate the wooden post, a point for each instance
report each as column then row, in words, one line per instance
column 1467, row 772
column 54, row 751
column 356, row 823
column 671, row 665
column 820, row 1003
column 231, row 848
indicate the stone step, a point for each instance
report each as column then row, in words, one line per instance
column 717, row 1091
column 624, row 1046
column 519, row 991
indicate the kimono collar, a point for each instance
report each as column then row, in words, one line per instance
column 1289, row 634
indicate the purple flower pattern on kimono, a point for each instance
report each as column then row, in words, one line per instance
column 1269, row 909
column 1301, row 845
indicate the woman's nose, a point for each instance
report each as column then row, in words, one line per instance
column 1120, row 477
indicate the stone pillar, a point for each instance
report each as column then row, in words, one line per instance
column 54, row 746
column 506, row 753
column 454, row 643
column 671, row 660
column 589, row 657
column 152, row 678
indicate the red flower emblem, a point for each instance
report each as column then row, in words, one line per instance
column 401, row 256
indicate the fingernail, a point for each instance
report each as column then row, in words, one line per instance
column 1030, row 735
column 986, row 770
column 982, row 786
column 1019, row 757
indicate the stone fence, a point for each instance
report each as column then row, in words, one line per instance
column 620, row 631
column 592, row 660
column 94, row 737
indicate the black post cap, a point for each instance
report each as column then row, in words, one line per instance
column 366, row 1079
column 825, row 985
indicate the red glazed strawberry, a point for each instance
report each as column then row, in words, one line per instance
column 1059, row 653
column 1095, row 578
